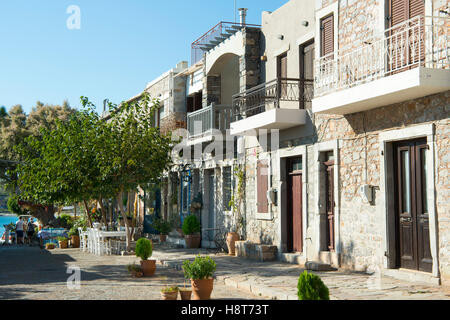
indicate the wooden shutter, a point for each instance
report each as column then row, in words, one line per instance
column 262, row 186
column 326, row 35
column 416, row 8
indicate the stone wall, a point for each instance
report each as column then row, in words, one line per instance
column 249, row 63
column 173, row 121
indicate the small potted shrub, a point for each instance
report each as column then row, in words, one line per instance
column 169, row 293
column 311, row 287
column 135, row 270
column 50, row 246
column 191, row 229
column 200, row 272
column 74, row 237
column 163, row 227
column 63, row 242
column 144, row 250
column 185, row 293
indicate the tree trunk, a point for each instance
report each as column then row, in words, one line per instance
column 88, row 215
column 125, row 219
column 102, row 208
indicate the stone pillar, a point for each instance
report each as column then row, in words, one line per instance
column 249, row 63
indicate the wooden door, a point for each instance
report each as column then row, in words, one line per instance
column 404, row 49
column 262, row 172
column 295, row 216
column 413, row 237
column 306, row 74
column 282, row 75
column 329, row 197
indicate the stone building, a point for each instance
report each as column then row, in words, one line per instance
column 356, row 177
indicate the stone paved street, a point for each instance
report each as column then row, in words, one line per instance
column 277, row 280
column 32, row 273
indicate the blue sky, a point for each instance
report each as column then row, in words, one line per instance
column 120, row 47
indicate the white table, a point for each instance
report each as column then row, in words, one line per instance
column 102, row 235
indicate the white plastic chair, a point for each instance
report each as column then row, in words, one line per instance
column 83, row 239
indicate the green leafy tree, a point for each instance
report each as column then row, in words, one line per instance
column 311, row 287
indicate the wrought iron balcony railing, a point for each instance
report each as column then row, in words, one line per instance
column 420, row 41
column 203, row 121
column 268, row 96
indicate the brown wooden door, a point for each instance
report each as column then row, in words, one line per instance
column 295, row 215
column 404, row 48
column 329, row 194
column 413, row 245
column 282, row 74
column 306, row 74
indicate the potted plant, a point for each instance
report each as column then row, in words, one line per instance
column 135, row 270
column 63, row 242
column 200, row 272
column 191, row 228
column 185, row 292
column 144, row 250
column 50, row 246
column 74, row 237
column 164, row 227
column 169, row 293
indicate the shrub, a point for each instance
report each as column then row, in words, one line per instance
column 50, row 246
column 134, row 268
column 200, row 268
column 169, row 289
column 73, row 232
column 13, row 205
column 164, row 227
column 62, row 239
column 66, row 221
column 311, row 287
column 191, row 225
column 144, row 248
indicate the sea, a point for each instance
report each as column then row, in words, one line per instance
column 6, row 220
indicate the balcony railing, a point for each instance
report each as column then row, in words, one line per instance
column 217, row 34
column 420, row 41
column 268, row 96
column 203, row 121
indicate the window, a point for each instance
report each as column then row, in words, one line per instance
column 327, row 36
column 227, row 188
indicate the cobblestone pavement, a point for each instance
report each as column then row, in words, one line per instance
column 277, row 280
column 35, row 274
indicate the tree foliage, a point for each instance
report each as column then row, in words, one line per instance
column 311, row 287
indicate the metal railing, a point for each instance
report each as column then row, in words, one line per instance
column 217, row 34
column 203, row 121
column 268, row 96
column 420, row 41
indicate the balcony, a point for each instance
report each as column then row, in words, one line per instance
column 216, row 35
column 408, row 61
column 204, row 123
column 278, row 104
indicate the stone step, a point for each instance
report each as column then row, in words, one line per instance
column 293, row 258
column 318, row 266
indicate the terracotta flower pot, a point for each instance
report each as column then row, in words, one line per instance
column 185, row 294
column 232, row 237
column 148, row 267
column 75, row 241
column 192, row 241
column 169, row 295
column 202, row 288
column 63, row 244
column 163, row 237
column 137, row 274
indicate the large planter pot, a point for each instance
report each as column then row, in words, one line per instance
column 63, row 244
column 163, row 237
column 192, row 241
column 148, row 267
column 202, row 288
column 232, row 237
column 169, row 295
column 75, row 241
column 185, row 294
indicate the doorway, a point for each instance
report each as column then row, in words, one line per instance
column 295, row 205
column 411, row 207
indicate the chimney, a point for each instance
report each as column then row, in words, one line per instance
column 243, row 15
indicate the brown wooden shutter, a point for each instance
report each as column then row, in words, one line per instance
column 416, row 8
column 398, row 12
column 262, row 186
column 326, row 35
